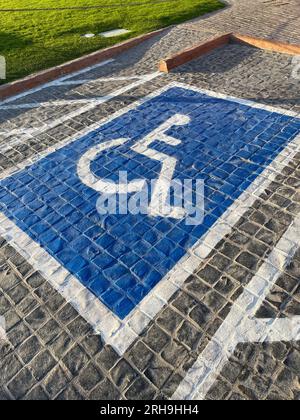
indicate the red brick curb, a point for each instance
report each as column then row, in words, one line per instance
column 192, row 53
column 267, row 44
column 51, row 74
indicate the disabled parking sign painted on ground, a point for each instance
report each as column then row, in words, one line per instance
column 120, row 258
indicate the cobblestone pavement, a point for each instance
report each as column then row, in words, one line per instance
column 223, row 326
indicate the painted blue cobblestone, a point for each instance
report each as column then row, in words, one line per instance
column 120, row 258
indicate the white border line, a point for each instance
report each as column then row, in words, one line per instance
column 59, row 102
column 55, row 82
column 92, row 103
column 121, row 334
column 241, row 326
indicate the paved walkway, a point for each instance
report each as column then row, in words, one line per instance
column 148, row 307
column 273, row 19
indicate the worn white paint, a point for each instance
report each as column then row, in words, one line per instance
column 88, row 105
column 241, row 326
column 3, row 336
column 56, row 81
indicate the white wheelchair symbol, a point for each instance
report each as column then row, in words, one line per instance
column 158, row 205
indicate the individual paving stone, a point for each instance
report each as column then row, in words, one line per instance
column 21, row 384
column 171, row 385
column 42, row 364
column 170, row 320
column 8, row 279
column 18, row 334
column 67, row 314
column 189, row 335
column 201, row 314
column 49, row 331
column 56, row 382
column 248, row 260
column 9, row 367
column 4, row 304
column 293, row 360
column 105, row 391
column 220, row 391
column 78, row 328
column 29, row 348
column 71, row 394
column 107, row 358
column 36, row 394
column 37, row 318
column 174, row 354
column 122, row 375
column 4, row 396
column 156, row 338
column 140, row 355
column 27, row 305
column 35, row 280
column 12, row 319
column 89, row 377
column 18, row 293
column 75, row 359
column 92, row 344
column 158, row 372
column 60, row 345
column 210, row 274
column 5, row 348
column 55, row 302
column 141, row 390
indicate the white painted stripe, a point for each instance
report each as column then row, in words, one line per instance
column 104, row 321
column 31, row 105
column 3, row 336
column 61, row 102
column 88, row 107
column 97, row 80
column 53, row 83
column 246, row 102
column 240, row 326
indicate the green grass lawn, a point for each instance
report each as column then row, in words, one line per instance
column 35, row 40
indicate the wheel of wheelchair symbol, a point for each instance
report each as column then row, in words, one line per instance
column 158, row 205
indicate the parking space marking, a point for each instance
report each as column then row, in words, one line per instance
column 97, row 80
column 121, row 333
column 241, row 326
column 89, row 105
column 60, row 102
column 55, row 82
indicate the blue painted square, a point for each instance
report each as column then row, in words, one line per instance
column 120, row 258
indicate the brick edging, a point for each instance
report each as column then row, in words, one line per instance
column 191, row 53
column 197, row 51
column 51, row 74
column 267, row 44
